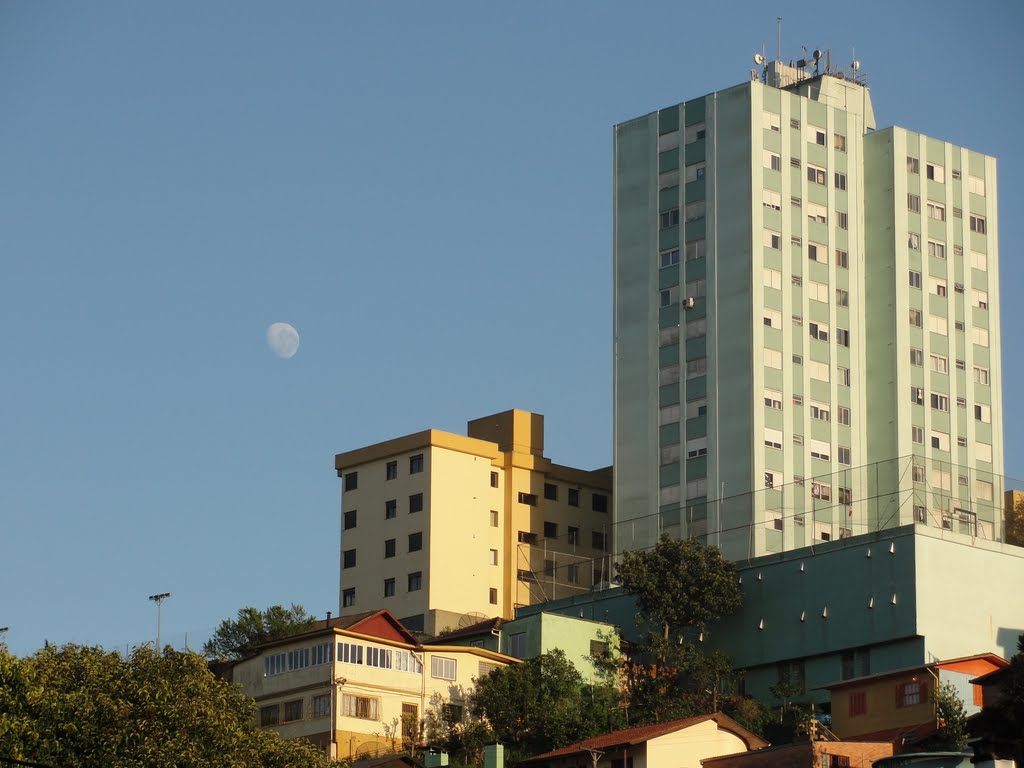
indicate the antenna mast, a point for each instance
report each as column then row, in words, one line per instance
column 778, row 23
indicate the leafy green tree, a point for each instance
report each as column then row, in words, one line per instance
column 949, row 711
column 82, row 707
column 680, row 584
column 236, row 638
column 681, row 588
column 539, row 705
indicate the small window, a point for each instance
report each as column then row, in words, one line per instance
column 415, row 503
column 772, row 161
column 389, row 548
column 817, row 175
column 415, row 541
column 550, row 530
column 529, row 499
column 842, row 259
column 599, row 502
column 494, row 479
column 935, row 173
column 416, row 464
column 978, row 224
column 389, row 587
column 695, row 132
column 573, row 497
column 842, row 220
column 493, row 557
column 415, row 581
column 348, row 597
column 528, row 537
column 668, row 258
column 840, row 180
column 574, row 535
column 843, row 415
column 390, row 509
column 551, row 491
column 839, row 142
column 915, row 279
column 913, row 165
column 348, row 558
column 936, row 211
column 597, row 540
column 771, row 121
column 351, row 481
column 669, row 218
column 350, row 519
column 494, row 518
column 391, row 470
column 493, row 598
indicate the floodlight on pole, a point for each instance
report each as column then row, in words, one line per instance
column 159, row 600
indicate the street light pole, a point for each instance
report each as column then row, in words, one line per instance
column 158, row 599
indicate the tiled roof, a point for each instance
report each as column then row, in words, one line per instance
column 644, row 733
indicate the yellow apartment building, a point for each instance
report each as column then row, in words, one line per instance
column 368, row 676
column 443, row 530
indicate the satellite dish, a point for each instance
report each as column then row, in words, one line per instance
column 855, row 65
column 759, row 59
column 469, row 619
column 817, row 54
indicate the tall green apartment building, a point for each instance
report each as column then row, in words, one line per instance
column 806, row 322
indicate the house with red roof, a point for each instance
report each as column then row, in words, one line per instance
column 675, row 744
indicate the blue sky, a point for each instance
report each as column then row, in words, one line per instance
column 422, row 189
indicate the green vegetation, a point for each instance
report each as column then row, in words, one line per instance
column 79, row 707
column 237, row 639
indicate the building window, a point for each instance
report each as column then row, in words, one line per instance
column 350, row 519
column 597, row 540
column 550, row 530
column 390, row 509
column 843, row 455
column 843, row 415
column 858, row 704
column 695, row 171
column 818, row 213
column 528, row 537
column 695, row 132
column 363, row 707
column 844, row 376
column 980, row 298
column 936, row 249
column 938, row 287
column 975, row 185
column 983, row 413
column 914, row 241
column 391, row 470
column 415, row 581
column 913, row 165
column 939, row 363
column 274, row 664
column 350, row 653
column 574, row 497
column 551, row 491
column 379, row 657
column 494, row 518
column 815, row 135
column 668, row 258
column 348, row 558
column 842, row 337
column 772, row 239
column 773, row 399
column 979, row 225
column 935, row 173
column 298, row 659
column 820, row 411
column 772, row 161
column 415, row 503
column 771, row 199
column 442, row 668
column 694, row 250
column 771, row 121
column 772, row 438
column 839, row 142
column 821, row 450
column 493, row 557
column 915, row 318
column 816, row 252
column 772, row 358
column 416, row 464
column 270, row 715
column 351, row 481
column 917, row 435
column 940, row 440
column 915, row 279
column 817, row 175
column 979, row 335
column 416, row 541
column 842, row 297
column 842, row 259
column 842, row 220
column 940, row 402
column 528, row 498
column 911, row 694
column 668, row 219
column 936, row 211
column 917, row 357
column 348, row 597
column 696, row 447
column 696, row 367
column 981, row 376
column 517, row 645
column 493, row 595
column 494, row 479
column 321, row 705
column 818, row 331
column 389, row 587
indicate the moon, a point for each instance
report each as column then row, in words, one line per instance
column 283, row 340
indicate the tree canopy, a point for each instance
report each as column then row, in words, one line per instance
column 680, row 584
column 541, row 704
column 237, row 638
column 82, row 707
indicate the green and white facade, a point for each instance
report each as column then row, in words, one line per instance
column 788, row 283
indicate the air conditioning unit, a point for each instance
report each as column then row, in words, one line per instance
column 688, row 302
column 845, row 533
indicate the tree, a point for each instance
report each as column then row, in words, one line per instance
column 539, row 705
column 949, row 711
column 80, row 707
column 681, row 588
column 680, row 584
column 1015, row 521
column 237, row 639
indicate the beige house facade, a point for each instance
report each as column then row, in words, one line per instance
column 360, row 685
column 444, row 530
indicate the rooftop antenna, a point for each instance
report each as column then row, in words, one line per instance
column 778, row 24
